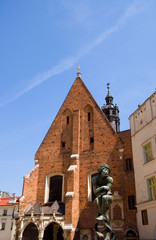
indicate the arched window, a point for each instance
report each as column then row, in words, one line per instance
column 130, row 233
column 53, row 231
column 54, row 188
column 117, row 213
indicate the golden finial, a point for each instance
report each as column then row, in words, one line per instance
column 78, row 74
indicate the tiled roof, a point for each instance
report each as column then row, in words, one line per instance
column 47, row 209
column 5, row 201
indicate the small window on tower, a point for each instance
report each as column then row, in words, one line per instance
column 67, row 119
column 88, row 116
column 63, row 144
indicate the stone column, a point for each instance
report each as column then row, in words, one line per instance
column 40, row 235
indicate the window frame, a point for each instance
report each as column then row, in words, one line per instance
column 5, row 212
column 144, row 218
column 3, row 225
column 151, row 188
column 47, row 186
column 148, row 156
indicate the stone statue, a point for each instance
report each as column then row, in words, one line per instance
column 102, row 189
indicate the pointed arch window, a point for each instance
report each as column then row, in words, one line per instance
column 54, row 188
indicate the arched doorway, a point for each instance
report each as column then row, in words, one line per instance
column 53, row 232
column 131, row 235
column 30, row 232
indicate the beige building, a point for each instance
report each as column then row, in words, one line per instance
column 143, row 133
column 8, row 211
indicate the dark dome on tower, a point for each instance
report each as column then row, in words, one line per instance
column 111, row 111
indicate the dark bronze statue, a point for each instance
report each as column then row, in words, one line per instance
column 102, row 189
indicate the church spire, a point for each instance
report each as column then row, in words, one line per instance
column 111, row 111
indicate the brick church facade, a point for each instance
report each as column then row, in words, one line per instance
column 57, row 201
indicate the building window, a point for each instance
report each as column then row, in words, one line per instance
column 5, row 212
column 63, row 144
column 151, row 182
column 131, row 202
column 55, row 188
column 129, row 165
column 3, row 226
column 67, row 119
column 91, row 140
column 88, row 116
column 147, row 152
column 144, row 217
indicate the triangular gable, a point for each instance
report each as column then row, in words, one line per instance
column 78, row 87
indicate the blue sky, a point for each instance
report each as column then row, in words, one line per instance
column 41, row 45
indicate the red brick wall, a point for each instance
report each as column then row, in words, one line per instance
column 29, row 190
column 105, row 149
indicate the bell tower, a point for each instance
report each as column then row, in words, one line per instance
column 111, row 111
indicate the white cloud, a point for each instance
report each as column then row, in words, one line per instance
column 69, row 62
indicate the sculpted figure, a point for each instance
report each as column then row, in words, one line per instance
column 102, row 189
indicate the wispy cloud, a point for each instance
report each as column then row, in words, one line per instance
column 69, row 62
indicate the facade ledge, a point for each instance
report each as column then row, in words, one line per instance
column 72, row 168
column 149, row 162
column 117, row 229
column 75, row 156
column 68, row 227
column 69, row 194
column 121, row 150
column 146, row 205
